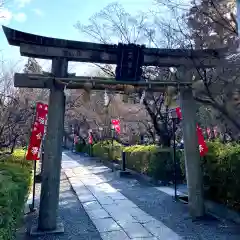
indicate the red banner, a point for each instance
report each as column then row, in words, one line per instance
column 76, row 139
column 179, row 113
column 37, row 132
column 90, row 138
column 116, row 125
column 203, row 149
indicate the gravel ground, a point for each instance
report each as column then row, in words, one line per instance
column 162, row 206
column 77, row 224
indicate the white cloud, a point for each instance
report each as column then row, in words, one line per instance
column 38, row 12
column 22, row 3
column 20, row 17
column 5, row 15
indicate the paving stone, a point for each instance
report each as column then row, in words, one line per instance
column 86, row 198
column 148, row 238
column 106, row 201
column 79, row 170
column 69, row 173
column 136, row 212
column 161, row 231
column 125, row 203
column 98, row 214
column 123, row 218
column 78, row 187
column 96, row 181
column 106, row 225
column 113, row 209
column 90, row 182
column 117, row 196
column 89, row 206
column 136, row 230
column 144, row 218
column 124, row 222
column 99, row 194
column 82, row 191
column 114, row 235
column 106, row 188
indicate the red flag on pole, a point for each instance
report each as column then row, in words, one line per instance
column 116, row 125
column 179, row 113
column 203, row 149
column 117, row 128
column 76, row 139
column 90, row 137
column 37, row 132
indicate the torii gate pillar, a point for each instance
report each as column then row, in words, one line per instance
column 191, row 149
column 53, row 153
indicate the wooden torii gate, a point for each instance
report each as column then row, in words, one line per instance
column 61, row 52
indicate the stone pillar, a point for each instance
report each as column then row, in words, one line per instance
column 53, row 152
column 191, row 150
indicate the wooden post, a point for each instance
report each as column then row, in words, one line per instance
column 53, row 152
column 191, row 150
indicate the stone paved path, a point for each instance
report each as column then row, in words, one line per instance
column 123, row 208
column 113, row 214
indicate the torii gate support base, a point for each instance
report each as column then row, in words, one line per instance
column 35, row 232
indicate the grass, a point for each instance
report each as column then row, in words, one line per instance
column 15, row 179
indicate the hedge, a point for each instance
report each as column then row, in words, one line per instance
column 221, row 173
column 15, row 179
column 150, row 160
column 221, row 166
column 82, row 148
column 108, row 150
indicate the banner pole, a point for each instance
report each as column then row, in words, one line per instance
column 32, row 122
column 32, row 206
column 174, row 158
column 238, row 17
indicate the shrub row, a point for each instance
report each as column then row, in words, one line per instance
column 221, row 166
column 150, row 160
column 15, row 179
column 221, row 171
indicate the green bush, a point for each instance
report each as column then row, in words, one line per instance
column 150, row 160
column 79, row 147
column 15, row 179
column 138, row 157
column 84, row 148
column 108, row 150
column 221, row 173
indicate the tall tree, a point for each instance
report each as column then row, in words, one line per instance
column 212, row 24
column 32, row 95
column 32, row 66
column 15, row 113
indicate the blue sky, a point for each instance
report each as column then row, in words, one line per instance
column 55, row 18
